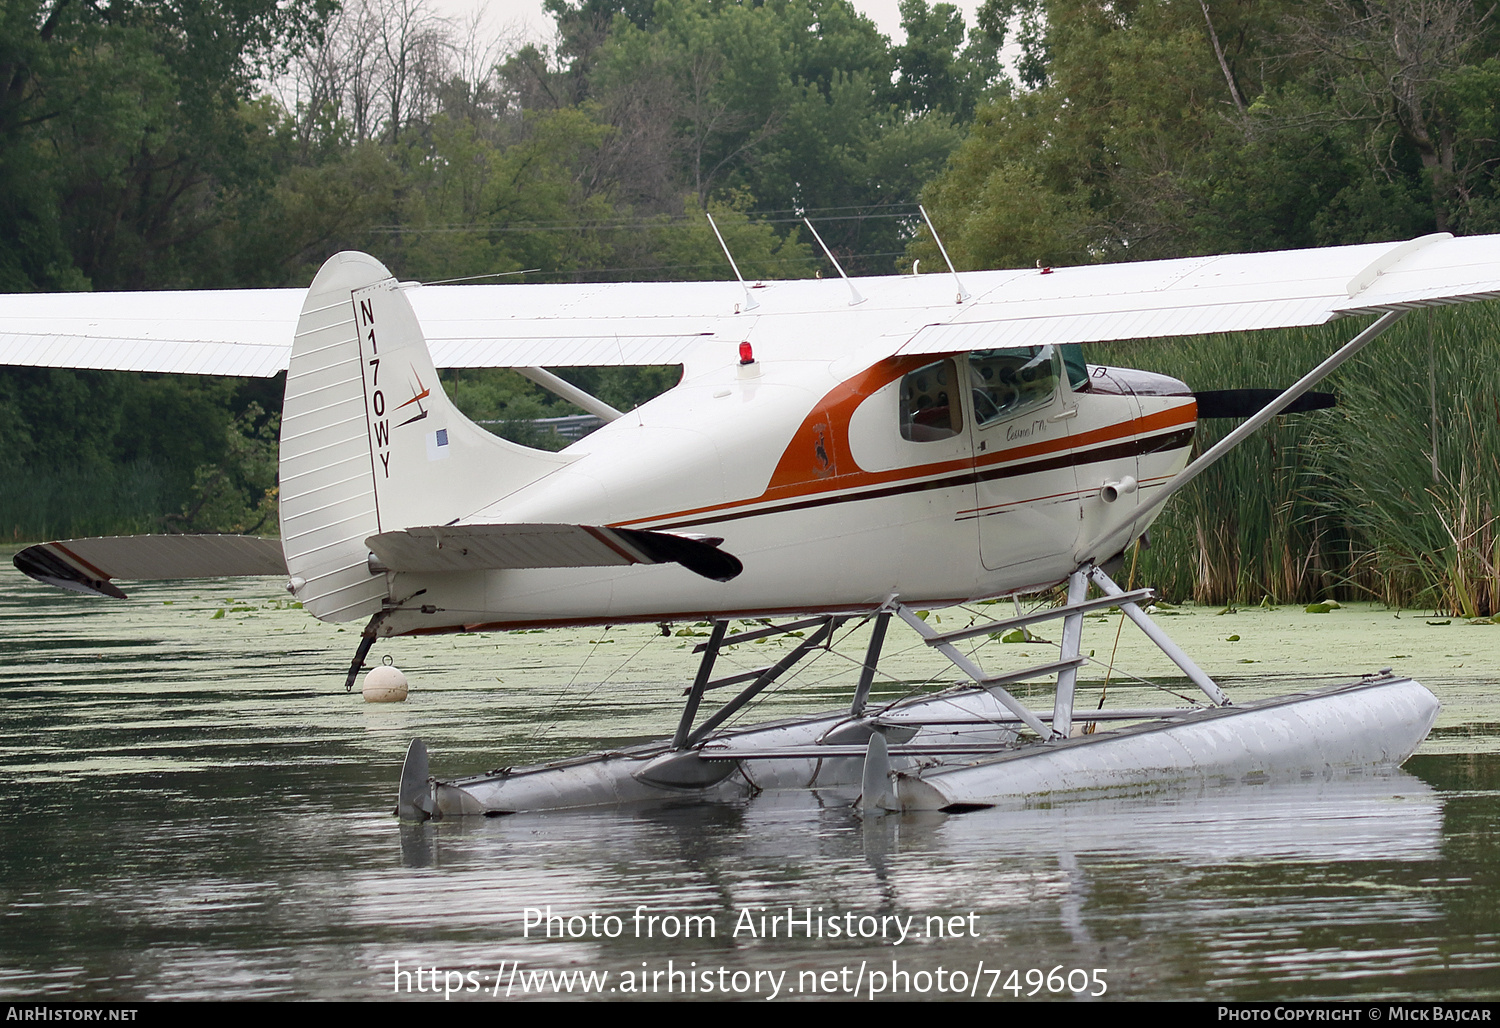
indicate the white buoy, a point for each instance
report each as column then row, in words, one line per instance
column 384, row 684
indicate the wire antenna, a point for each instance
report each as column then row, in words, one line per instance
column 836, row 265
column 471, row 278
column 750, row 301
column 963, row 294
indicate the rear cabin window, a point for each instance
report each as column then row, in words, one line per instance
column 1006, row 382
column 930, row 406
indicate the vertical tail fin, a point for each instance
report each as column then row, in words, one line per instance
column 369, row 441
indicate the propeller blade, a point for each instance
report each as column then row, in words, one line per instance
column 1244, row 403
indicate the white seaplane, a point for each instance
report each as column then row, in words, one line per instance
column 834, row 450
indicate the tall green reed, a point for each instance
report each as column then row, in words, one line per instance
column 94, row 499
column 1253, row 526
column 1420, row 462
column 1349, row 502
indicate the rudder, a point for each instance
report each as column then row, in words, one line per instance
column 369, row 441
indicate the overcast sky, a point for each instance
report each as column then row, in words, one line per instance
column 526, row 19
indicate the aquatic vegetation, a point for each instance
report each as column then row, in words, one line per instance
column 98, row 499
column 1421, row 464
column 1392, row 495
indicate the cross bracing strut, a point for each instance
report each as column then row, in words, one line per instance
column 686, row 737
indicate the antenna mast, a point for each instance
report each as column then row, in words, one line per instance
column 750, row 302
column 963, row 294
column 837, row 266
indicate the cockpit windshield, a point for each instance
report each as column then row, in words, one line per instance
column 1006, row 382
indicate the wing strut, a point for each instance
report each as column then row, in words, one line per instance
column 568, row 391
column 1233, row 439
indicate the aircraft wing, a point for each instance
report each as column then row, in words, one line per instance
column 248, row 332
column 240, row 332
column 1230, row 293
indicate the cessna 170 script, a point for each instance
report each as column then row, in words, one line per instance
column 834, row 450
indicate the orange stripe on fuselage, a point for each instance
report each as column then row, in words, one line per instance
column 819, row 458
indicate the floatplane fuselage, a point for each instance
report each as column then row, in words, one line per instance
column 932, row 478
column 911, row 479
column 912, row 445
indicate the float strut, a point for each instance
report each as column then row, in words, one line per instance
column 695, row 695
column 1070, row 649
column 872, row 656
column 1163, row 642
column 766, row 678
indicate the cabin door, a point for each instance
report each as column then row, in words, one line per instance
column 1029, row 512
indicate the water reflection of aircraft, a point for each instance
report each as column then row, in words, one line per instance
column 833, row 451
column 1393, row 817
column 1199, row 884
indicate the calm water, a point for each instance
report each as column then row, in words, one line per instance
column 195, row 809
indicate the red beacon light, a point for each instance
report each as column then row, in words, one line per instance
column 746, row 355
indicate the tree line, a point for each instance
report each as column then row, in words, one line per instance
column 235, row 143
column 221, row 143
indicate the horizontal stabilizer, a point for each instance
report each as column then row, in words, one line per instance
column 1246, row 403
column 444, row 548
column 88, row 565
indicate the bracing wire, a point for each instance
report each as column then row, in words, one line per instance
column 550, row 720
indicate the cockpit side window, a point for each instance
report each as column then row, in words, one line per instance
column 930, row 407
column 1006, row 382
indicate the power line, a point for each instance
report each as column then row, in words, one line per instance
column 636, row 225
column 638, row 268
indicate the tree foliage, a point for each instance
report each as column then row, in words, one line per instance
column 1168, row 127
column 126, row 148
